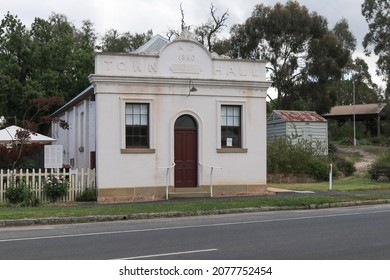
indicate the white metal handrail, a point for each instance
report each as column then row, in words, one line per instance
column 211, row 175
column 167, row 178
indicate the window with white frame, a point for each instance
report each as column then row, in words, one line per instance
column 231, row 126
column 137, row 125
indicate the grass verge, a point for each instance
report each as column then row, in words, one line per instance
column 347, row 185
column 184, row 206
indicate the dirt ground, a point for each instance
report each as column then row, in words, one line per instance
column 362, row 156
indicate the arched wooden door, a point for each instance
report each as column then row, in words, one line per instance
column 186, row 152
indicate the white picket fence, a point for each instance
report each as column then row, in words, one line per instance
column 78, row 180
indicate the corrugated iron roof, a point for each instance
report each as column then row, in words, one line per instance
column 360, row 109
column 299, row 116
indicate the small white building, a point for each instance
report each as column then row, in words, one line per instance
column 296, row 125
column 179, row 117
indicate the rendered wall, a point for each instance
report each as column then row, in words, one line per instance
column 163, row 81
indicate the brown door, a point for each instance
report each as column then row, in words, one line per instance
column 186, row 152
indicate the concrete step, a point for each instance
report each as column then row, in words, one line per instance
column 203, row 191
column 188, row 194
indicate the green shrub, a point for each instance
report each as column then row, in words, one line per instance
column 55, row 187
column 301, row 157
column 379, row 140
column 383, row 160
column 345, row 166
column 19, row 193
column 332, row 149
column 317, row 168
column 88, row 194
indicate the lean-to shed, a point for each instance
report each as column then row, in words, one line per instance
column 370, row 114
column 297, row 125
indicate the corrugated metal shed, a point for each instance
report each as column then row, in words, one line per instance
column 299, row 116
column 306, row 125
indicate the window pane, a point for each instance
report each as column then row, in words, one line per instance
column 236, row 121
column 230, row 126
column 144, row 119
column 136, row 109
column 143, row 141
column 137, row 129
column 223, row 121
column 136, row 120
column 230, row 110
column 129, row 119
column 144, row 109
column 229, row 121
column 129, row 108
column 137, row 141
column 223, row 111
column 185, row 121
column 236, row 111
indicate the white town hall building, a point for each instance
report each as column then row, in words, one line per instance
column 171, row 118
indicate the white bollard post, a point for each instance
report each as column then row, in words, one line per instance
column 330, row 176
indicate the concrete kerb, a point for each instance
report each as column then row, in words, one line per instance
column 140, row 216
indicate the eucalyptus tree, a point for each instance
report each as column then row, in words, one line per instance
column 62, row 56
column 327, row 63
column 303, row 55
column 366, row 91
column 377, row 14
column 15, row 67
column 113, row 41
column 51, row 58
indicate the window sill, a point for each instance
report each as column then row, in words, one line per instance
column 138, row 151
column 232, row 150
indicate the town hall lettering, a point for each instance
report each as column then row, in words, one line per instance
column 187, row 62
column 237, row 71
column 135, row 66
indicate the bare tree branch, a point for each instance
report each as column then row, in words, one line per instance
column 219, row 22
column 183, row 24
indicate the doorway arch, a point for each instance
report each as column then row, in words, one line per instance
column 186, row 152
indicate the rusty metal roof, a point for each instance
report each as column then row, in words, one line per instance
column 359, row 109
column 299, row 116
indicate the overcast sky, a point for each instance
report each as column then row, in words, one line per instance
column 138, row 16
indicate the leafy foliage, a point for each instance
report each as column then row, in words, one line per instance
column 113, row 41
column 377, row 14
column 283, row 156
column 304, row 57
column 383, row 160
column 16, row 152
column 52, row 58
column 345, row 166
column 55, row 187
column 19, row 193
column 88, row 194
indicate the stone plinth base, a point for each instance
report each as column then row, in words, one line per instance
column 139, row 194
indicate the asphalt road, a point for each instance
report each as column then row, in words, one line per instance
column 336, row 233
